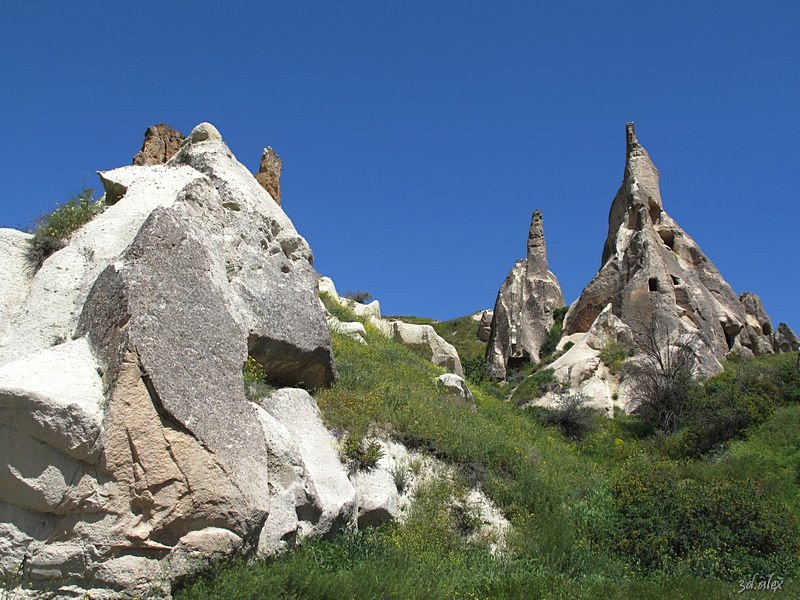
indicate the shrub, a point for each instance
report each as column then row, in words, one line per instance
column 474, row 368
column 613, row 355
column 361, row 454
column 571, row 415
column 661, row 379
column 359, row 296
column 52, row 231
column 554, row 335
column 401, row 476
column 535, row 386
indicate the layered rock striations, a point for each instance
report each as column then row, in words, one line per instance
column 651, row 269
column 130, row 453
column 523, row 311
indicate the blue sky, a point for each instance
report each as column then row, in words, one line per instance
column 418, row 137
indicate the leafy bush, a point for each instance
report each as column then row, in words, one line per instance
column 554, row 335
column 52, row 231
column 535, row 386
column 474, row 368
column 613, row 354
column 571, row 415
column 360, row 453
column 673, row 523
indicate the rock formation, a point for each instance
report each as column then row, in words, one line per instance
column 785, row 339
column 523, row 312
column 130, row 453
column 269, row 173
column 161, row 142
column 652, row 269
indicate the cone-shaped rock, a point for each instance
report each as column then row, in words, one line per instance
column 523, row 312
column 652, row 268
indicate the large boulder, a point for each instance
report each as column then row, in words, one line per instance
column 16, row 273
column 269, row 173
column 161, row 142
column 651, row 270
column 309, row 490
column 131, row 454
column 785, row 339
column 424, row 340
column 523, row 311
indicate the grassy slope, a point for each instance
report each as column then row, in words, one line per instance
column 586, row 515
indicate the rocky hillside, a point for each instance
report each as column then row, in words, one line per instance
column 179, row 387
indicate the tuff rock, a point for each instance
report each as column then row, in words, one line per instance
column 130, row 453
column 523, row 311
column 269, row 173
column 161, row 142
column 652, row 270
column 785, row 339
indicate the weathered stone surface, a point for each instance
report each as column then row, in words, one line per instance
column 310, row 491
column 378, row 498
column 485, row 326
column 15, row 273
column 425, row 340
column 785, row 339
column 757, row 334
column 131, row 454
column 272, row 285
column 456, row 389
column 523, row 312
column 354, row 329
column 161, row 142
column 581, row 370
column 269, row 173
column 652, row 269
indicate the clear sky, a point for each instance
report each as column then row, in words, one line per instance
column 419, row 136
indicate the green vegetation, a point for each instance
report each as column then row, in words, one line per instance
column 535, row 386
column 52, row 231
column 600, row 508
column 554, row 335
column 256, row 384
column 359, row 296
column 613, row 355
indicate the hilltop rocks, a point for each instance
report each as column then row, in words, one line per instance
column 785, row 339
column 652, row 269
column 523, row 312
column 269, row 173
column 131, row 455
column 161, row 142
column 425, row 340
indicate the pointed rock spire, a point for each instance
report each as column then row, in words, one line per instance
column 523, row 312
column 269, row 173
column 652, row 269
column 537, row 248
column 161, row 142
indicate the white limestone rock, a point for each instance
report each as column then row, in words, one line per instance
column 456, row 389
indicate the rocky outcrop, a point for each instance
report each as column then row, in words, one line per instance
column 485, row 325
column 456, row 390
column 651, row 269
column 365, row 311
column 582, row 370
column 424, row 340
column 785, row 339
column 310, row 493
column 269, row 173
column 130, row 453
column 15, row 273
column 161, row 142
column 523, row 312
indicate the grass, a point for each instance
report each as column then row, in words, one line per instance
column 616, row 514
column 53, row 230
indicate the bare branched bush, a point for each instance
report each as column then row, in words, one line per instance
column 661, row 378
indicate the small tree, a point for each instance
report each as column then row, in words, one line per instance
column 661, row 378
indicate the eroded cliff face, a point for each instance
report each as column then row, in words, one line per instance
column 130, row 452
column 523, row 311
column 652, row 269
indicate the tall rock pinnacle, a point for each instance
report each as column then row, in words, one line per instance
column 269, row 173
column 652, row 269
column 523, row 312
column 161, row 142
